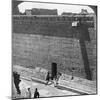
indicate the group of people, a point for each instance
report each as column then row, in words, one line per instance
column 36, row 93
column 49, row 77
column 17, row 80
column 53, row 79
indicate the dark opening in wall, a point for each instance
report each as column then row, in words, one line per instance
column 54, row 69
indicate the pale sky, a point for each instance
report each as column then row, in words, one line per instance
column 60, row 7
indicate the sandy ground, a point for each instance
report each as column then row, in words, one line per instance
column 44, row 90
column 77, row 86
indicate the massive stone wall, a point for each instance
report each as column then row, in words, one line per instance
column 41, row 51
column 50, row 26
column 39, row 41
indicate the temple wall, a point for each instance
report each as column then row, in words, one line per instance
column 39, row 41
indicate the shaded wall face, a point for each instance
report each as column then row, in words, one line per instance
column 48, row 26
column 91, row 47
column 38, row 43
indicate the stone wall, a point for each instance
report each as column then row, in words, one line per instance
column 37, row 11
column 50, row 26
column 47, row 25
column 41, row 51
column 39, row 41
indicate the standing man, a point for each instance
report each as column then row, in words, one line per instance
column 17, row 81
column 36, row 93
column 56, row 79
column 29, row 93
column 72, row 73
column 47, row 78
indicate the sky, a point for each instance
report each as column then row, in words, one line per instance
column 60, row 7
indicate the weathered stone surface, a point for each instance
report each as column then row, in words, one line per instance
column 39, row 41
column 37, row 50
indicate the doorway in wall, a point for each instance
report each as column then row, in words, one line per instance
column 53, row 70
